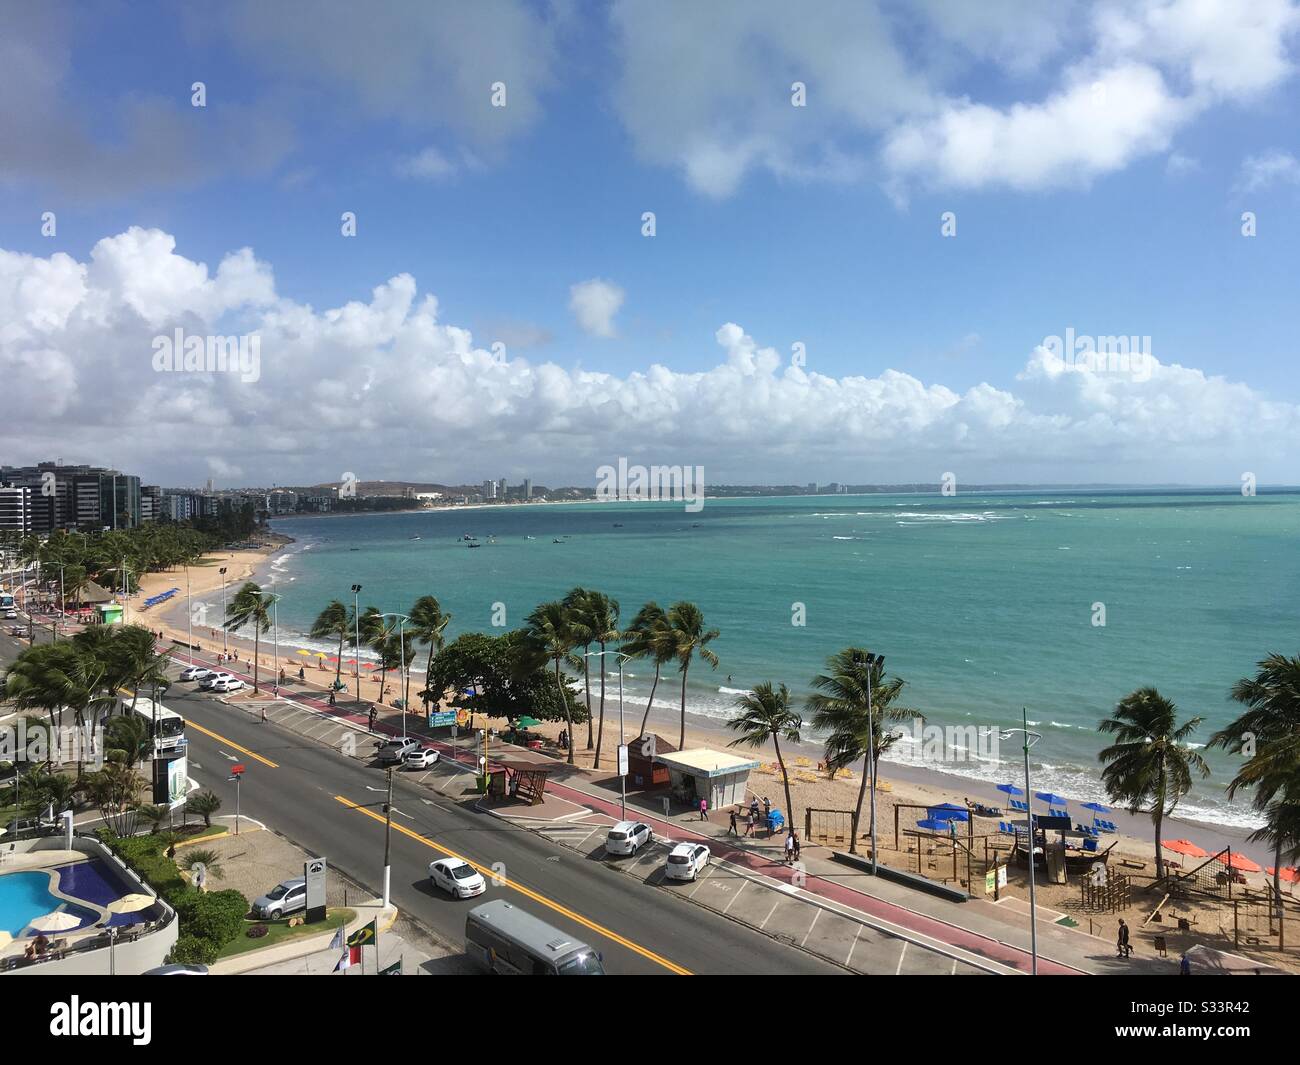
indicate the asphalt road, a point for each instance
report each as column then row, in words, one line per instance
column 330, row 804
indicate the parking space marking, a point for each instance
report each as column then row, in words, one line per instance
column 734, row 897
column 775, row 904
column 903, row 953
column 816, row 916
column 848, row 961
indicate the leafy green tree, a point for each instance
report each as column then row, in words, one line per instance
column 764, row 714
column 204, row 804
column 690, row 638
column 851, row 703
column 1151, row 765
column 250, row 607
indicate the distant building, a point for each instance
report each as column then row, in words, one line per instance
column 16, row 510
column 528, row 488
column 489, row 489
column 77, row 497
column 812, row 487
column 150, row 502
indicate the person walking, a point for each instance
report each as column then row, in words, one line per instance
column 704, row 809
column 1185, row 966
column 795, row 836
column 1122, row 943
column 789, row 848
column 731, row 826
column 373, row 714
column 749, row 823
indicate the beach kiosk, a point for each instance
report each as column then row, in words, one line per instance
column 703, row 773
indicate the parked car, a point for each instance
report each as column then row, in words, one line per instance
column 686, row 861
column 11, row 614
column 627, row 837
column 421, row 758
column 196, row 673
column 458, row 878
column 206, row 683
column 394, row 750
column 285, row 898
column 227, row 685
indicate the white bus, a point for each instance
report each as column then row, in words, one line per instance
column 503, row 939
column 169, row 733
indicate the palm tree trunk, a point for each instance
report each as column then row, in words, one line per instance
column 338, row 664
column 681, row 739
column 586, row 672
column 428, row 678
column 257, row 634
column 1158, row 816
column 857, row 812
column 650, row 702
column 564, row 702
column 785, row 781
column 600, row 730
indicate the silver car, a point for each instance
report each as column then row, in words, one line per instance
column 285, row 898
column 392, row 752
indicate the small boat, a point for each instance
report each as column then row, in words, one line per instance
column 557, row 541
column 530, row 537
column 354, row 549
column 618, row 525
column 413, row 537
column 475, row 545
column 468, row 537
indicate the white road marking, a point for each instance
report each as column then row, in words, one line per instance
column 810, row 928
column 902, row 954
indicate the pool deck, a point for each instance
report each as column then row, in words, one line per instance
column 52, row 862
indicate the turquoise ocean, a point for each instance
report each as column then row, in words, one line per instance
column 983, row 603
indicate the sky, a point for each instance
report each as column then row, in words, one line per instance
column 852, row 241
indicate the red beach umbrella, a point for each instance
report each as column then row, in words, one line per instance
column 1289, row 873
column 1185, row 846
column 1241, row 863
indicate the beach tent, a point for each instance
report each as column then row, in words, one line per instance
column 94, row 594
column 948, row 811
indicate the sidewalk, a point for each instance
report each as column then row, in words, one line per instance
column 999, row 934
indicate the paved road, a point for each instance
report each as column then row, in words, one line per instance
column 330, row 805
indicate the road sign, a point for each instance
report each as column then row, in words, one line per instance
column 237, row 769
column 622, row 759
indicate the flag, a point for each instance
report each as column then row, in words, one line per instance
column 354, row 955
column 343, row 963
column 393, row 970
column 362, row 936
column 337, row 942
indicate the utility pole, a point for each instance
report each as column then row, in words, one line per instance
column 388, row 835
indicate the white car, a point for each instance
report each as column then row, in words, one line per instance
column 392, row 752
column 11, row 614
column 458, row 878
column 627, row 837
column 196, row 673
column 686, row 861
column 421, row 758
column 207, row 682
column 227, row 685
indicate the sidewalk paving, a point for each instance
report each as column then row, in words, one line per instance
column 978, row 927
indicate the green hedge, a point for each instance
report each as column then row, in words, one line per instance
column 208, row 920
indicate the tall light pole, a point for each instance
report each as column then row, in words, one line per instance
column 388, row 835
column 356, row 620
column 402, row 619
column 225, row 636
column 1030, row 739
column 189, row 616
column 622, row 778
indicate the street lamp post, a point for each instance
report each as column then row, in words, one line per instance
column 356, row 654
column 189, row 616
column 622, row 779
column 1030, row 739
column 225, row 636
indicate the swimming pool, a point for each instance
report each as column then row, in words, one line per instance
column 23, row 898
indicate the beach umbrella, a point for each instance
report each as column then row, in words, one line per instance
column 307, row 653
column 527, row 722
column 935, row 824
column 58, row 921
column 1241, row 863
column 1185, row 846
column 1011, row 789
column 132, row 903
column 1051, row 798
column 1289, row 873
column 5, row 939
column 1097, row 807
column 948, row 811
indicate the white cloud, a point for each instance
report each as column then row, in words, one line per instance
column 594, row 304
column 338, row 385
column 1258, row 172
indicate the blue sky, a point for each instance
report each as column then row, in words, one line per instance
column 819, row 225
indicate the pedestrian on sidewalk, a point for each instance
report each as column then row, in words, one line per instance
column 704, row 809
column 264, row 713
column 753, row 809
column 795, row 836
column 333, row 702
column 373, row 714
column 302, row 675
column 731, row 827
column 789, row 848
column 749, row 824
column 1122, row 943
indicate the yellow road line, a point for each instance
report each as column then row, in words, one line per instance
column 231, row 743
column 528, row 892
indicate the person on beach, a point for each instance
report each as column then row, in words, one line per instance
column 704, row 809
column 1122, row 943
column 302, row 675
column 731, row 827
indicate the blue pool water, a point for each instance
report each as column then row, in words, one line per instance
column 23, row 898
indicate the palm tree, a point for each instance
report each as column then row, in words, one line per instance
column 689, row 637
column 115, row 790
column 428, row 627
column 249, row 606
column 764, row 715
column 1269, row 728
column 205, row 804
column 137, row 662
column 334, row 620
column 1150, row 765
column 597, row 621
column 52, row 790
column 583, row 635
column 154, row 815
column 649, row 636
column 852, row 703
column 127, row 736
column 209, row 859
column 549, row 628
